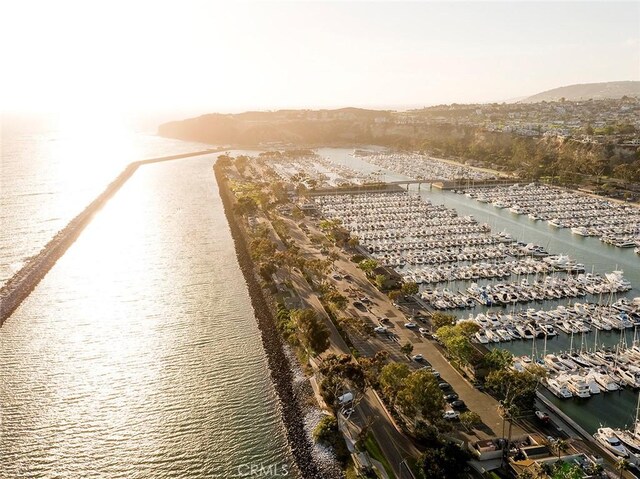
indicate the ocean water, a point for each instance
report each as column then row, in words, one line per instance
column 48, row 177
column 138, row 355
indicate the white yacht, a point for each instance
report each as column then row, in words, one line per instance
column 579, row 387
column 549, row 330
column 581, row 231
column 559, row 389
column 554, row 363
column 631, row 438
column 482, row 337
column 605, row 381
column 594, row 387
column 608, row 439
column 628, row 377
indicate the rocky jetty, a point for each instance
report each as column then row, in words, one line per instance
column 282, row 373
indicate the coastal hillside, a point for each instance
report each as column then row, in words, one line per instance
column 345, row 125
column 597, row 138
column 586, row 91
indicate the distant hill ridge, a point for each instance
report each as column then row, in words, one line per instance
column 586, row 91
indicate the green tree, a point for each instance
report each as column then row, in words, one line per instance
column 380, row 280
column 456, row 340
column 266, row 270
column 469, row 419
column 261, row 248
column 337, row 300
column 241, row 163
column 560, row 446
column 622, row 465
column 406, row 348
column 439, row 320
column 515, row 389
column 368, row 265
column 447, row 461
column 394, row 295
column 346, row 368
column 420, row 394
column 392, row 376
column 353, row 241
column 246, row 205
column 279, row 192
column 497, row 359
column 327, row 433
column 409, row 288
column 564, row 470
column 468, row 328
column 325, row 429
column 372, row 367
column 313, row 333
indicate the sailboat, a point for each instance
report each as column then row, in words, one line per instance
column 631, row 438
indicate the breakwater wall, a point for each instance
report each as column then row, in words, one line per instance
column 20, row 285
column 279, row 366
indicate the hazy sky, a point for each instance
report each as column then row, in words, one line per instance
column 212, row 56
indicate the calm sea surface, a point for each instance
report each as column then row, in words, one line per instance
column 48, row 178
column 613, row 409
column 138, row 355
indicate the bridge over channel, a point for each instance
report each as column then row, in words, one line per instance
column 398, row 185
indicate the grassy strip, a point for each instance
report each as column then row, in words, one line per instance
column 374, row 451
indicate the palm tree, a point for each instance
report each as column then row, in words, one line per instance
column 622, row 465
column 561, row 446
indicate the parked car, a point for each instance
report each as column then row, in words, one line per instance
column 451, row 415
column 458, row 404
column 444, row 385
column 450, row 397
column 543, row 417
column 424, row 331
column 410, row 325
column 347, row 412
column 417, row 357
column 380, row 329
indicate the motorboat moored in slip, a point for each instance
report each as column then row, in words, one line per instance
column 594, row 387
column 608, row 439
column 631, row 438
column 578, row 386
column 605, row 381
column 559, row 389
column 549, row 330
column 554, row 363
column 482, row 337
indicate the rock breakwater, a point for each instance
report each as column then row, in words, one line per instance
column 291, row 398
